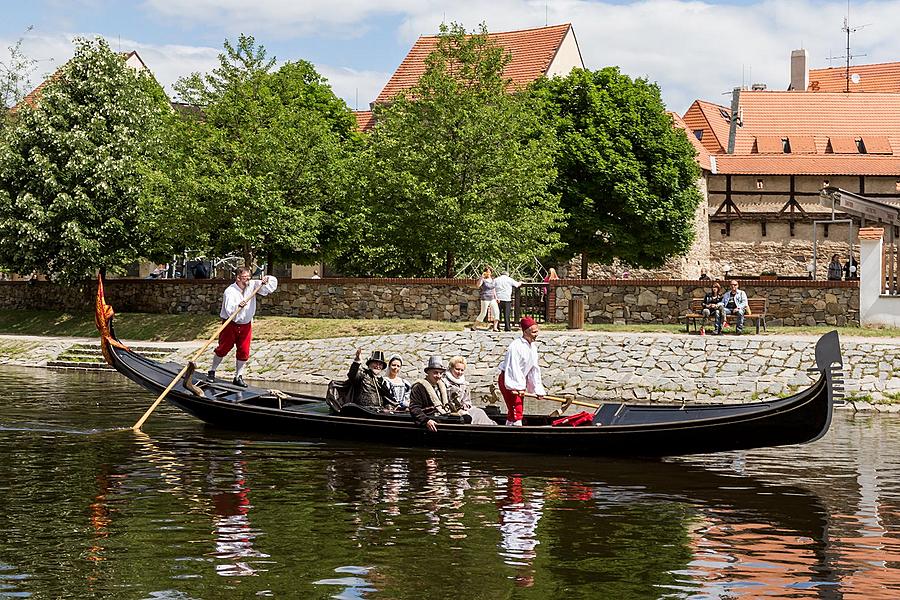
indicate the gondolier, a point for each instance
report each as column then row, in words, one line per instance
column 239, row 295
column 520, row 372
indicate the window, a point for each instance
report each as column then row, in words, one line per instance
column 897, row 186
column 825, row 183
column 760, row 184
column 698, row 133
column 860, row 145
column 763, row 228
column 786, row 145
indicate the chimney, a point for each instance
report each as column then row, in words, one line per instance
column 799, row 70
column 735, row 121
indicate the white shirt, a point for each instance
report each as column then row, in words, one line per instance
column 505, row 284
column 233, row 296
column 520, row 367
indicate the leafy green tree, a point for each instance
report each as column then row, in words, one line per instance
column 457, row 169
column 627, row 177
column 255, row 170
column 15, row 72
column 70, row 168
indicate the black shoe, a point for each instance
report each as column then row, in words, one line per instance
column 739, row 331
column 239, row 381
column 210, row 376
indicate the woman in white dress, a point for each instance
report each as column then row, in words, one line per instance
column 399, row 386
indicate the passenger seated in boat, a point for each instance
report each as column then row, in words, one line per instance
column 399, row 386
column 367, row 386
column 428, row 396
column 459, row 398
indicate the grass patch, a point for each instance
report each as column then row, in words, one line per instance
column 176, row 328
column 15, row 349
column 860, row 398
column 890, row 398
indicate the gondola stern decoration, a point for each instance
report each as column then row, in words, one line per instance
column 103, row 315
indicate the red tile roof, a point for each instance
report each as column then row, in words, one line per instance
column 871, row 233
column 882, row 77
column 806, row 164
column 365, row 120
column 702, row 152
column 712, row 120
column 532, row 52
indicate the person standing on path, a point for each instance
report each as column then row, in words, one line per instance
column 490, row 310
column 519, row 372
column 504, row 286
column 239, row 295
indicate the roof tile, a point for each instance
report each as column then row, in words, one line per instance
column 871, row 233
column 882, row 77
column 532, row 51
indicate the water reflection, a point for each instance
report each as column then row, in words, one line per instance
column 189, row 511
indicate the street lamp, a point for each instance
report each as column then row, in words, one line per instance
column 811, row 269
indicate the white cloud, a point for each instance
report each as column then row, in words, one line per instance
column 693, row 49
column 357, row 88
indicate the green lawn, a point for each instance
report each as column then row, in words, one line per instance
column 172, row 328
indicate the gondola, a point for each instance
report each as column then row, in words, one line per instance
column 617, row 428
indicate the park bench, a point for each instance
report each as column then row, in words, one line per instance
column 758, row 308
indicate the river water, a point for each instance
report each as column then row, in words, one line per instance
column 92, row 510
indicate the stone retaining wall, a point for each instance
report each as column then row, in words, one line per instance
column 607, row 301
column 635, row 367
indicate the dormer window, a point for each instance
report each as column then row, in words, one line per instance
column 698, row 133
column 860, row 145
column 786, row 145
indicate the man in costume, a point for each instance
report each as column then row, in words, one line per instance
column 368, row 386
column 428, row 396
column 519, row 372
column 240, row 295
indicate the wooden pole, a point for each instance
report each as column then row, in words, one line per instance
column 563, row 400
column 137, row 426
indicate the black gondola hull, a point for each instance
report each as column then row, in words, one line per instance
column 623, row 430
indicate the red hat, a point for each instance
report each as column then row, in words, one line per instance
column 526, row 322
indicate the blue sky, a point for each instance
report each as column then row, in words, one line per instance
column 693, row 49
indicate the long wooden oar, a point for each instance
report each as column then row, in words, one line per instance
column 137, row 426
column 563, row 400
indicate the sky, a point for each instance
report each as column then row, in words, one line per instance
column 691, row 48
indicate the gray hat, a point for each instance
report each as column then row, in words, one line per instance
column 435, row 362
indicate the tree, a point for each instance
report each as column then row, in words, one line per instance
column 627, row 177
column 15, row 72
column 256, row 170
column 458, row 169
column 70, row 168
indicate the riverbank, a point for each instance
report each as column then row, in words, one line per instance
column 642, row 367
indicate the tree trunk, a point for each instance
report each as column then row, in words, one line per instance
column 451, row 264
column 584, row 265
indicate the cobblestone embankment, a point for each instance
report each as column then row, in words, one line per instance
column 636, row 367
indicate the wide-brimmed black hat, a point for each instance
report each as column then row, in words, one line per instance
column 377, row 356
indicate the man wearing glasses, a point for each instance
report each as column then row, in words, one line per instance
column 240, row 295
column 735, row 302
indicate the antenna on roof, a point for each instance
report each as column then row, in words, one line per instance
column 546, row 14
column 848, row 56
column 357, row 99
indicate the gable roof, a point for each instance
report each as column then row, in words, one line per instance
column 712, row 120
column 702, row 152
column 532, row 52
column 880, row 77
column 132, row 59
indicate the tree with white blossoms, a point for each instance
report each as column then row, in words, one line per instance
column 71, row 164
